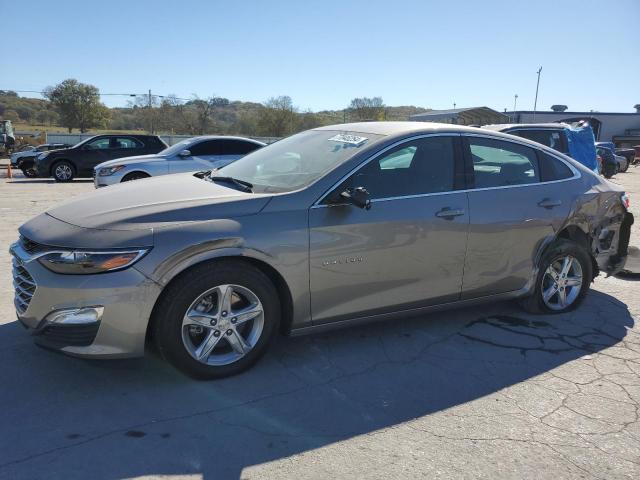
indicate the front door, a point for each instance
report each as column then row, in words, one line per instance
column 205, row 155
column 407, row 251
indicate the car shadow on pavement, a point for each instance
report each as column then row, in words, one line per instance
column 48, row 180
column 124, row 419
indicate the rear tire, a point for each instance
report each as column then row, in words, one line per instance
column 134, row 176
column 556, row 290
column 193, row 309
column 626, row 166
column 63, row 171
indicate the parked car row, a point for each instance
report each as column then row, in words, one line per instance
column 111, row 159
column 333, row 226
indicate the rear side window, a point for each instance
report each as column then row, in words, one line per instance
column 127, row 142
column 551, row 138
column 497, row 163
column 552, row 169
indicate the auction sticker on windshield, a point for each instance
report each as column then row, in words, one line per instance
column 350, row 139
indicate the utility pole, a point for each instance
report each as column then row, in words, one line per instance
column 150, row 115
column 535, row 103
column 515, row 101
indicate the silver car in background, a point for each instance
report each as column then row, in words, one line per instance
column 332, row 226
column 191, row 155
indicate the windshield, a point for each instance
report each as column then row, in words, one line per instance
column 176, row 148
column 297, row 161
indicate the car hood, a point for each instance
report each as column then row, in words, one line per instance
column 156, row 202
column 131, row 160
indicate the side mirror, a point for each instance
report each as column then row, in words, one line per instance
column 358, row 196
column 185, row 153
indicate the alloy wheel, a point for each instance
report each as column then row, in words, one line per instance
column 223, row 325
column 63, row 172
column 562, row 282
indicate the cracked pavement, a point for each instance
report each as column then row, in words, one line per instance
column 485, row 392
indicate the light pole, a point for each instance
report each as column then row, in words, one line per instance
column 515, row 101
column 535, row 102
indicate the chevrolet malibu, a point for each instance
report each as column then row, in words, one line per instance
column 330, row 227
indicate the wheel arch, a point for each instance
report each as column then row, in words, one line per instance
column 133, row 172
column 280, row 284
column 577, row 234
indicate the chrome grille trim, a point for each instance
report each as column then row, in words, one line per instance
column 24, row 286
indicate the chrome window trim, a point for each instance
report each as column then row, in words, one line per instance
column 545, row 149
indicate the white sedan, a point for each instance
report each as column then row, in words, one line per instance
column 191, row 155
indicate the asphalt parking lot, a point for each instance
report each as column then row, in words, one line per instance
column 488, row 392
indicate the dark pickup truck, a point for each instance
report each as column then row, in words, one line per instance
column 78, row 161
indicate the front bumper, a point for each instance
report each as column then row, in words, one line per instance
column 105, row 181
column 127, row 297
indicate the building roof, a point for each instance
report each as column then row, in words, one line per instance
column 565, row 113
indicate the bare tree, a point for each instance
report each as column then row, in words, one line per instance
column 365, row 108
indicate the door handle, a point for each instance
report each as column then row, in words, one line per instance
column 449, row 213
column 549, row 203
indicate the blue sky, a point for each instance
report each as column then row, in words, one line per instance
column 324, row 53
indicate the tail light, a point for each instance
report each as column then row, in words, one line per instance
column 626, row 201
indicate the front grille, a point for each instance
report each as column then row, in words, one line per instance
column 70, row 335
column 24, row 287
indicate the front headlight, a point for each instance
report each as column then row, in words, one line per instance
column 106, row 171
column 80, row 262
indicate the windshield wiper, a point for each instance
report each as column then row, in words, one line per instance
column 244, row 186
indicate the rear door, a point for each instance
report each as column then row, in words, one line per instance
column 126, row 147
column 408, row 250
column 518, row 201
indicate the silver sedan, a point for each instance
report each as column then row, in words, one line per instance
column 191, row 155
column 333, row 226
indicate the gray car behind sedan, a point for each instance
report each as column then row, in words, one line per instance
column 329, row 227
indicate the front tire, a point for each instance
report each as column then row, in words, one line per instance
column 217, row 319
column 565, row 273
column 29, row 172
column 63, row 171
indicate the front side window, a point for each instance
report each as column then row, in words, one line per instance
column 421, row 166
column 497, row 163
column 237, row 147
column 208, row 147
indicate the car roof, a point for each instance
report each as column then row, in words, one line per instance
column 501, row 127
column 225, row 137
column 397, row 128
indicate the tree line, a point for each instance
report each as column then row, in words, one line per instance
column 77, row 106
